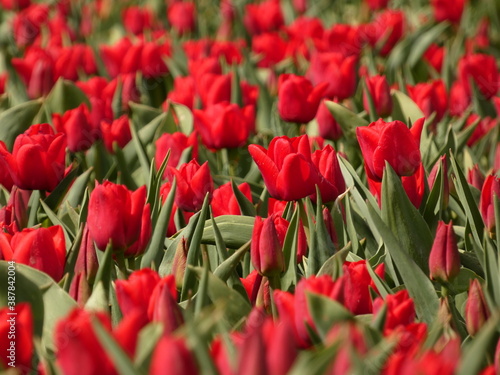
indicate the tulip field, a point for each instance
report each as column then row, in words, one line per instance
column 250, row 187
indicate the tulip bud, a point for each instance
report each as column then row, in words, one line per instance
column 444, row 259
column 476, row 309
column 179, row 262
column 172, row 357
column 491, row 188
column 380, row 93
column 130, row 293
column 23, row 324
column 267, row 256
column 475, row 177
column 327, row 125
column 163, row 305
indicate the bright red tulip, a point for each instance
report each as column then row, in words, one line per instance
column 332, row 184
column 431, row 97
column 381, row 95
column 483, row 70
column 130, row 293
column 172, row 357
column 224, row 125
column 448, row 10
column 76, row 124
column 400, row 310
column 327, row 125
column 270, row 47
column 377, row 4
column 175, row 142
column 263, row 17
column 298, row 100
column 136, row 19
column 20, row 354
column 388, row 26
column 120, row 217
column 40, row 248
column 182, row 17
column 287, row 168
column 38, row 158
column 194, row 182
column 224, row 201
column 390, row 142
column 117, row 132
column 78, row 350
column 491, row 188
column 444, row 259
column 163, row 305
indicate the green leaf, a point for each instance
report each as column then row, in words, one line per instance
column 140, row 149
column 404, row 108
column 17, row 120
column 347, row 119
column 146, row 344
column 421, row 45
column 185, row 117
column 143, row 114
column 247, row 208
column 405, row 221
column 235, row 230
column 325, row 312
column 76, row 193
column 65, row 95
column 227, row 267
column 418, row 284
column 289, row 277
column 115, row 353
column 473, row 357
column 333, row 265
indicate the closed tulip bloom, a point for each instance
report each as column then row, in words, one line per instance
column 214, row 88
column 172, row 357
column 287, row 168
column 332, row 184
column 78, row 350
column 130, row 293
column 400, row 310
column 23, row 349
column 224, row 125
column 182, row 16
column 444, row 259
column 327, row 125
column 475, row 177
column 264, row 17
column 298, row 100
column 136, row 19
column 5, row 176
column 194, row 182
column 388, row 26
column 476, row 309
column 392, row 142
column 38, row 158
column 266, row 253
column 224, row 201
column 120, row 217
column 377, row 4
column 431, row 97
column 76, row 124
column 448, row 10
column 491, row 188
column 117, row 131
column 163, row 305
column 381, row 95
column 175, row 142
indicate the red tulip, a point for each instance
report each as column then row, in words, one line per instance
column 172, row 357
column 448, row 10
column 476, row 311
column 431, row 98
column 266, row 254
column 332, row 184
column 287, row 168
column 36, row 70
column 121, row 217
column 76, row 124
column 73, row 60
column 482, row 69
column 224, row 201
column 175, row 142
column 184, row 91
column 435, row 56
column 16, row 332
column 327, row 125
column 15, row 4
column 270, row 47
column 475, row 177
column 263, row 17
column 214, row 88
column 163, row 305
column 345, row 39
column 130, row 293
column 182, row 17
column 27, row 23
column 117, row 132
column 491, row 188
column 377, row 4
column 485, row 125
column 298, row 100
column 224, row 125
column 388, row 26
column 392, row 142
column 78, row 350
column 444, row 259
column 400, row 310
column 336, row 69
column 194, row 182
column 381, row 95
column 460, row 99
column 136, row 19
column 127, row 331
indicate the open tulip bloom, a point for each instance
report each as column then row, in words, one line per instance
column 249, row 187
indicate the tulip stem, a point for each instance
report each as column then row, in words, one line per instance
column 122, row 268
column 275, row 282
column 444, row 291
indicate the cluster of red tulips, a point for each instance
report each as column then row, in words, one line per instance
column 249, row 187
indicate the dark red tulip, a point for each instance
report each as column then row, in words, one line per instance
column 482, row 69
column 287, row 168
column 298, row 100
column 431, row 97
column 327, row 125
column 194, row 182
column 172, row 357
column 224, row 125
column 163, row 305
column 136, row 19
column 444, row 259
column 120, row 217
column 381, row 95
column 72, row 61
column 460, row 99
column 263, row 17
column 332, row 184
column 36, row 70
column 476, row 311
column 435, row 56
column 391, row 142
column 388, row 26
column 377, row 4
column 266, row 253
